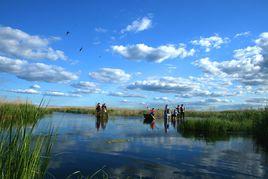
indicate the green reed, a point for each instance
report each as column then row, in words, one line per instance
column 249, row 121
column 23, row 154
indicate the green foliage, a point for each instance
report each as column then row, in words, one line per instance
column 215, row 125
column 260, row 125
column 248, row 121
column 22, row 154
column 20, row 114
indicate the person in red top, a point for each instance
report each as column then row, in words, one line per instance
column 152, row 112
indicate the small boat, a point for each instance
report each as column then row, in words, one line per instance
column 148, row 118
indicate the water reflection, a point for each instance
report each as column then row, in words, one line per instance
column 146, row 152
column 101, row 121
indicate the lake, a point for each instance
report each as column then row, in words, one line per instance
column 126, row 147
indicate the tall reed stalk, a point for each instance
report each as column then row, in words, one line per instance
column 22, row 153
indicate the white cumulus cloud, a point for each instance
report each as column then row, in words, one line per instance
column 165, row 85
column 210, row 42
column 138, row 25
column 15, row 43
column 112, row 75
column 248, row 66
column 60, row 94
column 84, row 84
column 35, row 86
column 152, row 54
column 163, row 99
column 25, row 91
column 127, row 95
column 242, row 34
column 35, row 71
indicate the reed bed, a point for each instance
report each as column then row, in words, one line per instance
column 216, row 125
column 248, row 121
column 21, row 113
column 23, row 154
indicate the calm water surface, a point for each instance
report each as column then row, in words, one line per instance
column 126, row 147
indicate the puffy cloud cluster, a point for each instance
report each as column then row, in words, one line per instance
column 84, row 84
column 138, row 25
column 126, row 95
column 34, row 89
column 25, row 91
column 210, row 42
column 60, row 94
column 166, row 85
column 112, row 75
column 86, row 87
column 262, row 42
column 190, row 88
column 201, row 93
column 35, row 86
column 15, row 43
column 35, row 71
column 151, row 54
column 249, row 66
column 162, row 99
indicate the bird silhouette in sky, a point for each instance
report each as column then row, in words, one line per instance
column 67, row 33
column 80, row 50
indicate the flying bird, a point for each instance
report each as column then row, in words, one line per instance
column 67, row 33
column 80, row 50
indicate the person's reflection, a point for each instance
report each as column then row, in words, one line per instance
column 101, row 121
column 173, row 122
column 98, row 119
column 104, row 121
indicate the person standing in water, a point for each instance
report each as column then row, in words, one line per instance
column 103, row 107
column 166, row 115
column 152, row 112
column 182, row 110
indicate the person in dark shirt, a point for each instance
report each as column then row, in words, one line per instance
column 182, row 111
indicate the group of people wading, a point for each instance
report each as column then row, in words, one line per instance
column 101, row 116
column 177, row 113
column 101, row 108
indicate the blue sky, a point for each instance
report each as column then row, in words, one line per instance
column 206, row 54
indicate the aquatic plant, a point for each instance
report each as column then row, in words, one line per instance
column 260, row 127
column 249, row 121
column 21, row 113
column 23, row 154
column 215, row 125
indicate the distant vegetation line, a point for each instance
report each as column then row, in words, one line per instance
column 228, row 114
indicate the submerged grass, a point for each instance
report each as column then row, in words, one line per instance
column 22, row 154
